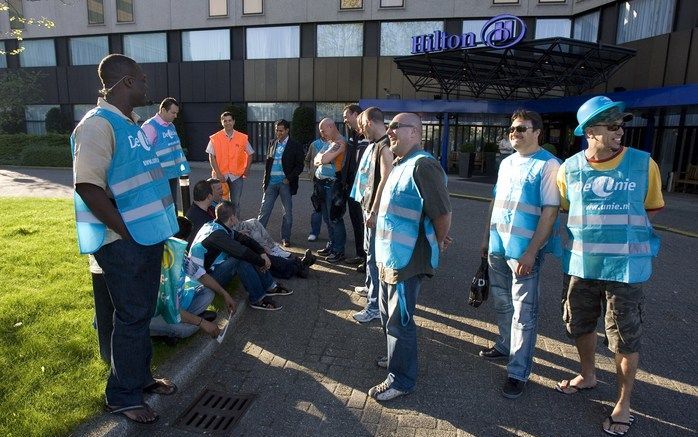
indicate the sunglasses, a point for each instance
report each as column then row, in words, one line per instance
column 612, row 127
column 394, row 125
column 520, row 129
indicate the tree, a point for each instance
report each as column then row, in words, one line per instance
column 18, row 88
column 57, row 122
column 239, row 115
column 18, row 22
column 303, row 125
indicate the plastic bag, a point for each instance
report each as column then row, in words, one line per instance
column 171, row 280
column 480, row 286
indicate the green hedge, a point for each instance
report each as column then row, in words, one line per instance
column 41, row 150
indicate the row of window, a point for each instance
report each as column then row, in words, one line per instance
column 637, row 19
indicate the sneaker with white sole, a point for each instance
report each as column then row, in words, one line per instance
column 265, row 304
column 366, row 315
column 279, row 252
column 384, row 391
column 382, row 362
column 361, row 290
column 312, row 237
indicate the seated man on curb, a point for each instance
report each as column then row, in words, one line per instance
column 194, row 295
column 284, row 265
column 223, row 252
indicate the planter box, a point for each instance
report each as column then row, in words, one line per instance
column 466, row 162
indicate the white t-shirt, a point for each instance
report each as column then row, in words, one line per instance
column 514, row 164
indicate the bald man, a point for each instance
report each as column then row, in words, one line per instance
column 328, row 177
column 414, row 218
column 124, row 213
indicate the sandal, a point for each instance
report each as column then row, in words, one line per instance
column 570, row 389
column 161, row 386
column 142, row 413
column 612, row 422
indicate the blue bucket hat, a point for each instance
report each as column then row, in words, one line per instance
column 594, row 107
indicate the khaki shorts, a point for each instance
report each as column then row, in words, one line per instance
column 584, row 300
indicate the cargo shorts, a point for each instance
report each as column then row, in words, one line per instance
column 584, row 300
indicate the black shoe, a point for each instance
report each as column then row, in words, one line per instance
column 279, row 290
column 308, row 259
column 303, row 272
column 361, row 268
column 209, row 316
column 335, row 258
column 170, row 341
column 492, row 354
column 324, row 252
column 513, row 388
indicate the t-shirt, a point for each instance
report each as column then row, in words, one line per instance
column 94, row 149
column 654, row 199
column 211, row 151
column 150, row 131
column 430, row 179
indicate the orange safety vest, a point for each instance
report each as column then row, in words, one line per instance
column 231, row 154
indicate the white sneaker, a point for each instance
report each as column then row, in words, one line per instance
column 366, row 315
column 312, row 237
column 382, row 362
column 383, row 391
column 361, row 290
column 278, row 251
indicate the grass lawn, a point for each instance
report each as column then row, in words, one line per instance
column 51, row 376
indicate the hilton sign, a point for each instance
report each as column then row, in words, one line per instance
column 500, row 32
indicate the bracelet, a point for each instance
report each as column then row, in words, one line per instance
column 201, row 319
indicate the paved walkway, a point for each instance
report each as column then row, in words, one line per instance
column 310, row 364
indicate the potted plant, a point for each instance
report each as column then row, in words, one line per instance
column 466, row 159
column 490, row 150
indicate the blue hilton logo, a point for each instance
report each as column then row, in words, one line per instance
column 500, row 32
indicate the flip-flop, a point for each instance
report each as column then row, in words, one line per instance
column 122, row 410
column 161, row 386
column 560, row 389
column 612, row 422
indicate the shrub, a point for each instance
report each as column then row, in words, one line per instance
column 12, row 146
column 240, row 116
column 467, row 147
column 303, row 125
column 57, row 122
column 46, row 156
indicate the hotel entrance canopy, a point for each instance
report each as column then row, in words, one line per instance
column 551, row 67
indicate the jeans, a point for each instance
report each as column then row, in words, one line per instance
column 268, row 201
column 132, row 277
column 255, row 282
column 316, row 223
column 104, row 313
column 356, row 215
column 285, row 268
column 235, row 188
column 372, row 279
column 174, row 187
column 202, row 299
column 338, row 234
column 516, row 305
column 400, row 330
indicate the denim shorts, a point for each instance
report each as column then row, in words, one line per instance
column 584, row 300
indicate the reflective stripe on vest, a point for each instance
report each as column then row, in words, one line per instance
column 231, row 154
column 135, row 178
column 197, row 253
column 610, row 235
column 518, row 205
column 168, row 149
column 400, row 216
column 358, row 189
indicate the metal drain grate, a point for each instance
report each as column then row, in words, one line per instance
column 214, row 412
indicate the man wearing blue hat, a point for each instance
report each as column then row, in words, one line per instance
column 610, row 192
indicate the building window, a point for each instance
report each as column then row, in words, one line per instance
column 217, row 8
column 252, row 7
column 474, row 26
column 392, row 3
column 146, row 47
column 95, row 11
column 586, row 27
column 88, row 50
column 505, row 2
column 206, row 45
column 340, row 40
column 145, row 112
column 350, row 4
column 331, row 110
column 3, row 58
column 38, row 53
column 273, row 42
column 552, row 1
column 270, row 111
column 396, row 35
column 638, row 19
column 35, row 115
column 124, row 11
column 553, row 27
column 16, row 14
column 80, row 110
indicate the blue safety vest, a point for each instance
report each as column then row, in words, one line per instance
column 400, row 216
column 197, row 253
column 610, row 235
column 358, row 189
column 136, row 181
column 169, row 150
column 517, row 207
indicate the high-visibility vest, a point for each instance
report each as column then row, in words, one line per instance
column 400, row 216
column 517, row 208
column 610, row 235
column 197, row 252
column 169, row 150
column 231, row 154
column 358, row 189
column 141, row 192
